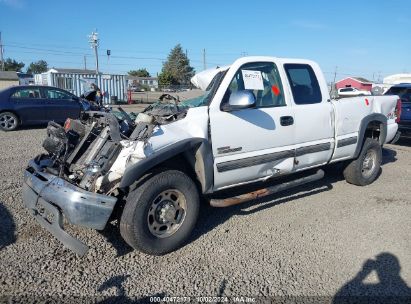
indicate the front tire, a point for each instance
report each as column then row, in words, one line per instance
column 364, row 170
column 160, row 213
column 8, row 121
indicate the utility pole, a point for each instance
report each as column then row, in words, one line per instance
column 93, row 40
column 335, row 74
column 333, row 88
column 204, row 60
column 85, row 62
column 1, row 54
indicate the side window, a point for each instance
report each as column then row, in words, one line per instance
column 26, row 93
column 57, row 94
column 261, row 78
column 304, row 83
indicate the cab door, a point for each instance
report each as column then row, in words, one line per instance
column 252, row 143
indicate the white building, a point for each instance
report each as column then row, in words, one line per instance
column 397, row 79
column 8, row 78
column 138, row 82
column 78, row 81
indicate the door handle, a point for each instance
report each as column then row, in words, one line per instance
column 286, row 120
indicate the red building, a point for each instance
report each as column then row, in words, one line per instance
column 354, row 82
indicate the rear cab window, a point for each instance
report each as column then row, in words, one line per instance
column 304, row 84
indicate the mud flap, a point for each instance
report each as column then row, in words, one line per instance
column 396, row 138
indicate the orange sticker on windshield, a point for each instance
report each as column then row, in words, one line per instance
column 275, row 90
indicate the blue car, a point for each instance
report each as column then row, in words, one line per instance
column 33, row 105
column 404, row 92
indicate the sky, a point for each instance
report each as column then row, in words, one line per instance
column 352, row 38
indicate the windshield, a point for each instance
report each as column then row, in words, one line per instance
column 205, row 99
column 196, row 101
column 396, row 91
column 403, row 92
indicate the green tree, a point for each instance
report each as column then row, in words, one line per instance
column 139, row 73
column 165, row 78
column 176, row 69
column 37, row 67
column 13, row 65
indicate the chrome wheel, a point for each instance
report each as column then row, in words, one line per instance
column 8, row 121
column 369, row 163
column 167, row 213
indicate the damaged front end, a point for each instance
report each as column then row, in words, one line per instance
column 79, row 176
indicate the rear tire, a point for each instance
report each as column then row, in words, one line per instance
column 9, row 121
column 364, row 170
column 160, row 213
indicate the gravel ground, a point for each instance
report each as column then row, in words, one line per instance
column 313, row 241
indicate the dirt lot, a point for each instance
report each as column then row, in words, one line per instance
column 314, row 241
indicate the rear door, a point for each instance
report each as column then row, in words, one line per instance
column 253, row 143
column 61, row 105
column 29, row 104
column 314, row 118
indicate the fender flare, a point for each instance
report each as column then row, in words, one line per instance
column 363, row 127
column 136, row 171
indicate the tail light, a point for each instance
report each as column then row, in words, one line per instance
column 398, row 111
column 67, row 124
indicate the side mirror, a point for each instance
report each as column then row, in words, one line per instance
column 240, row 100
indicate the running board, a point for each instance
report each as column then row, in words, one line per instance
column 266, row 191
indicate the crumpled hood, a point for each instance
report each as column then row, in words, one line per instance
column 202, row 80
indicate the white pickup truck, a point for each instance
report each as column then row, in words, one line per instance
column 260, row 119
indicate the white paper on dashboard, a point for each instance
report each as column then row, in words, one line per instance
column 253, row 80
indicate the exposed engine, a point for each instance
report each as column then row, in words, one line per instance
column 92, row 152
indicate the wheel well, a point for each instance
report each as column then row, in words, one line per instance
column 373, row 130
column 178, row 162
column 181, row 163
column 11, row 111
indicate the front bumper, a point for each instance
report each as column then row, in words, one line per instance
column 50, row 198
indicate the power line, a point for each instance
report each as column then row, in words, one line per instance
column 49, row 45
column 56, row 52
column 43, row 50
column 61, row 53
column 57, row 47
